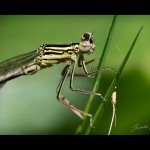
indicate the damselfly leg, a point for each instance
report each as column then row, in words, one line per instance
column 69, row 70
column 65, row 101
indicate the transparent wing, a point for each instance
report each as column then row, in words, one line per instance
column 17, row 62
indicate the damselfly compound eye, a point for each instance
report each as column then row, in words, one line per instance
column 86, row 45
column 87, row 37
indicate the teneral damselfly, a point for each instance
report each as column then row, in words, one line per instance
column 48, row 55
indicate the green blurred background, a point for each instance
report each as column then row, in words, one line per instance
column 28, row 104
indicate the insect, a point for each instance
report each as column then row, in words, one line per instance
column 48, row 55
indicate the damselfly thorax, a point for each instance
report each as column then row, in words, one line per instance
column 50, row 54
column 55, row 54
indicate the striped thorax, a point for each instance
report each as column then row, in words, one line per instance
column 50, row 54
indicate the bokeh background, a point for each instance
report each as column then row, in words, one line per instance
column 28, row 104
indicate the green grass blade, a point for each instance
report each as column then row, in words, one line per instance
column 114, row 82
column 129, row 52
column 98, row 76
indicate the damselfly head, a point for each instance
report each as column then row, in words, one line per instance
column 87, row 45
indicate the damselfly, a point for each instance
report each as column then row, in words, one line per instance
column 48, row 55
